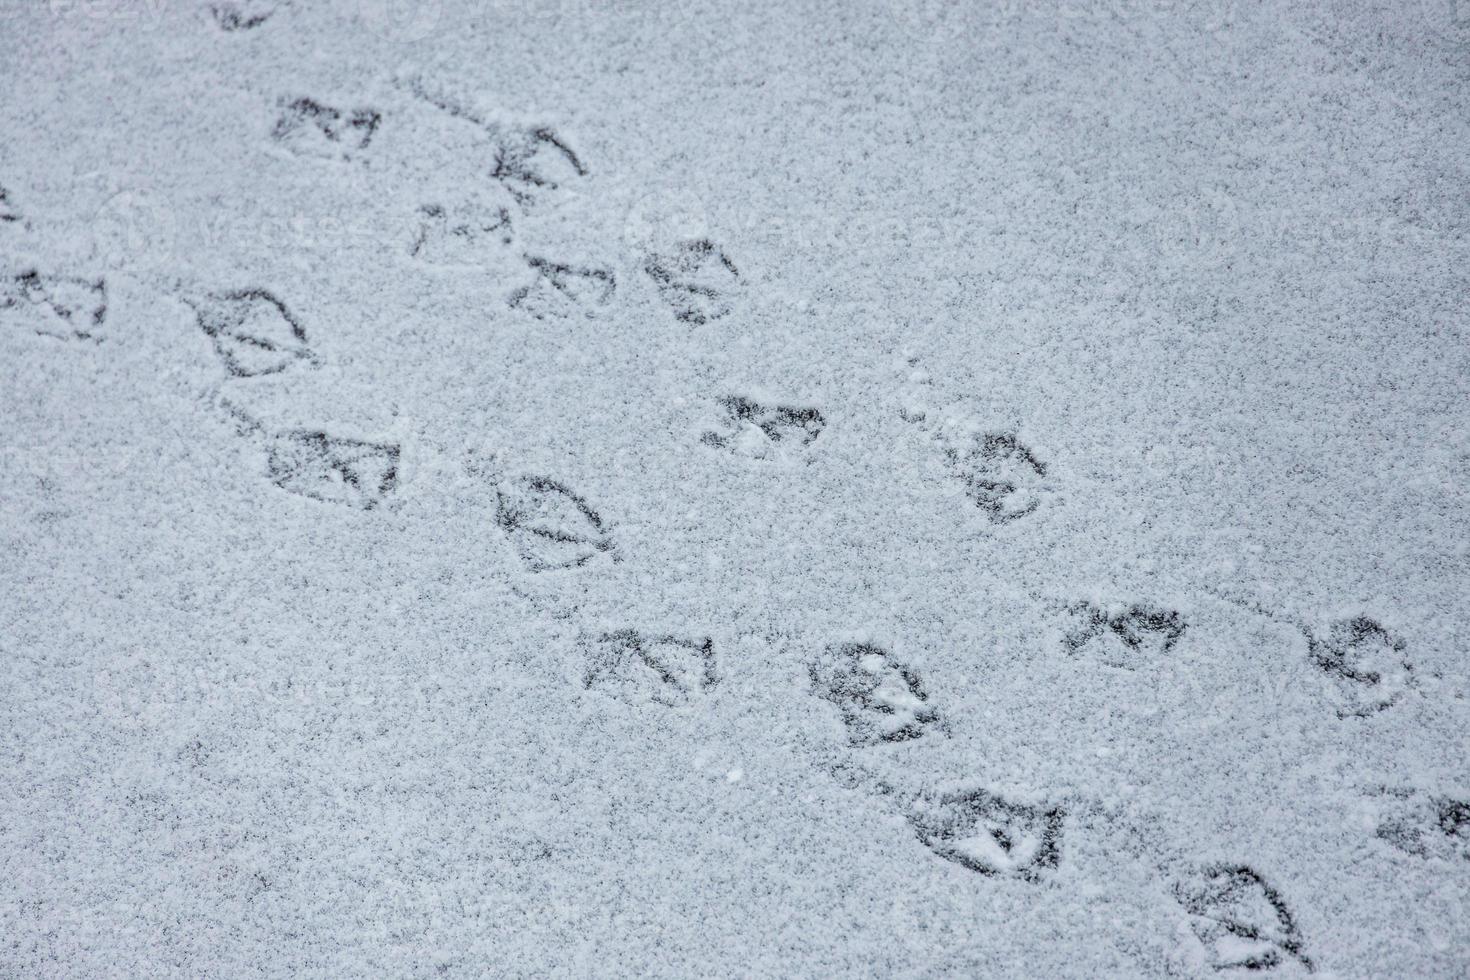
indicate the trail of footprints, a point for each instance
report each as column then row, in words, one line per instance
column 1239, row 918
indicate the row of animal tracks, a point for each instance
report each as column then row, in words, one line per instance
column 874, row 703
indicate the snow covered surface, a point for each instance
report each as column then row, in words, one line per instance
column 620, row 487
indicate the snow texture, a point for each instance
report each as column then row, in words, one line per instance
column 649, row 488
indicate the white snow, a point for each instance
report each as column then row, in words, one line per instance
column 448, row 448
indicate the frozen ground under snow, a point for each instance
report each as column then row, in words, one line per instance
column 616, row 487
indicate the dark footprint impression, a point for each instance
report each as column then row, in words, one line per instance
column 308, row 127
column 1367, row 666
column 64, row 307
column 550, row 526
column 531, row 162
column 1002, row 476
column 253, row 333
column 697, row 280
column 1427, row 826
column 881, row 700
column 1366, row 663
column 333, row 469
column 560, row 289
column 241, row 15
column 8, row 212
column 988, row 834
column 637, row 668
column 762, row 431
column 466, row 235
column 1138, row 634
column 1241, row 920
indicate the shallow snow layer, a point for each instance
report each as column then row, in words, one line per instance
column 835, row 488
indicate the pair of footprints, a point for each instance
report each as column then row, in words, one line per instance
column 1238, row 917
column 882, row 701
column 1366, row 666
column 254, row 335
column 695, row 279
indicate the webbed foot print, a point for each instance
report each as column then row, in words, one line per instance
column 696, row 281
column 1242, row 921
column 1436, row 827
column 241, row 15
column 530, row 162
column 1139, row 629
column 551, row 526
column 310, row 128
column 332, row 469
column 253, row 332
column 1002, row 476
column 881, row 700
column 560, row 289
column 8, row 212
column 1365, row 662
column 1367, row 666
column 463, row 237
column 986, row 833
column 668, row 670
column 64, row 307
column 761, row 431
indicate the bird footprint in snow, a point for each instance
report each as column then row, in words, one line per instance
column 765, row 430
column 65, row 307
column 881, row 699
column 697, row 280
column 253, row 333
column 550, row 525
column 1242, row 922
column 664, row 669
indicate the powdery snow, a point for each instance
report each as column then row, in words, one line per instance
column 599, row 488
